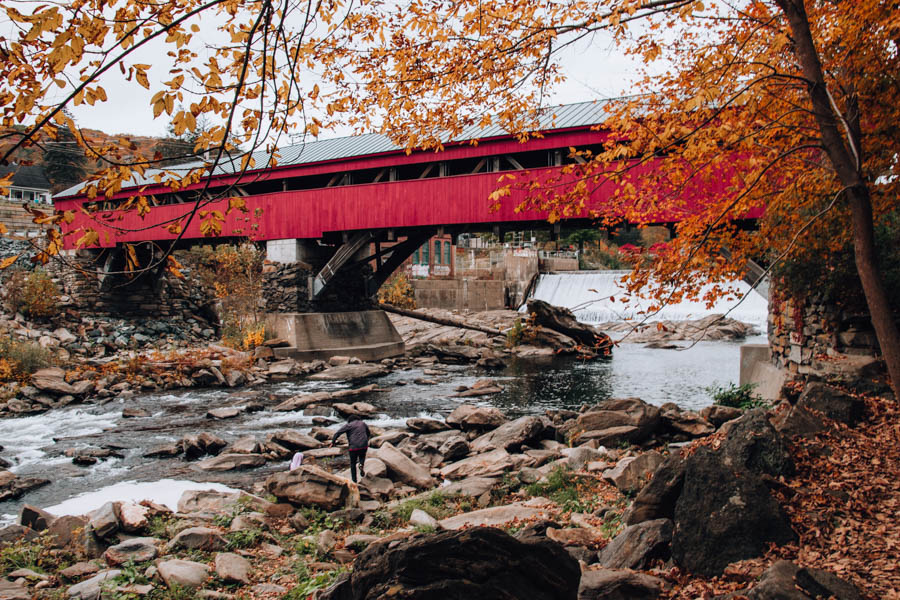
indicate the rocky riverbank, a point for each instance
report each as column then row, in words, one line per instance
column 621, row 499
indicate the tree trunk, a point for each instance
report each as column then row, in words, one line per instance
column 847, row 160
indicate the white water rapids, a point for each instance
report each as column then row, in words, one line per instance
column 597, row 297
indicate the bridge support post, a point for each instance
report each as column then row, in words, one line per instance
column 293, row 250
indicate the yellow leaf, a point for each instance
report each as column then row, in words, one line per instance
column 8, row 262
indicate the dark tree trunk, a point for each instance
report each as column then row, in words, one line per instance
column 846, row 158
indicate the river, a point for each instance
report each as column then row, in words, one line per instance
column 655, row 375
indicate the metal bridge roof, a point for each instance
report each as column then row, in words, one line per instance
column 566, row 116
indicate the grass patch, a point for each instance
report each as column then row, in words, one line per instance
column 435, row 504
column 562, row 488
column 306, row 587
column 243, row 538
column 18, row 360
column 736, row 396
column 36, row 555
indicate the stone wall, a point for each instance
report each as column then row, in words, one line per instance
column 84, row 290
column 286, row 290
column 804, row 331
column 19, row 222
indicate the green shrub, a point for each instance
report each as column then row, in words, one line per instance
column 33, row 294
column 562, row 488
column 243, row 538
column 18, row 359
column 735, row 396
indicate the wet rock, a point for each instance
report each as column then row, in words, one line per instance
column 283, row 368
column 469, row 416
column 492, row 517
column 245, row 445
column 612, row 584
column 359, row 409
column 136, row 550
column 403, row 468
column 477, row 563
column 309, row 485
column 349, row 372
column 195, row 446
column 164, row 451
column 488, row 464
column 423, row 425
column 12, row 487
column 232, row 568
column 134, row 413
column 200, row 538
column 798, row 421
column 636, row 545
column 184, row 573
column 232, row 462
column 509, row 436
column 753, row 444
column 223, row 413
column 294, row 440
column 90, row 588
column 723, row 516
column 631, row 474
column 563, row 321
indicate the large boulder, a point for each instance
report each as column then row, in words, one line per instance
column 52, row 379
column 200, row 538
column 753, row 444
column 214, row 501
column 469, row 416
column 562, row 320
column 509, row 436
column 636, row 545
column 476, row 563
column 492, row 517
column 232, row 462
column 294, row 440
column 403, row 467
column 724, row 515
column 183, row 573
column 136, row 550
column 311, row 486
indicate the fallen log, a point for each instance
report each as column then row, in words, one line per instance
column 439, row 320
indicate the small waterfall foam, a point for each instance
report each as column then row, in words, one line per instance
column 597, row 297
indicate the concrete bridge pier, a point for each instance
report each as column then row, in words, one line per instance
column 325, row 305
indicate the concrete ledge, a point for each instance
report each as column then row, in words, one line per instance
column 757, row 368
column 368, row 335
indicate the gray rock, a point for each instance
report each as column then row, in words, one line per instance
column 104, row 521
column 245, row 445
column 420, row 518
column 232, row 568
column 223, row 413
column 201, row 538
column 786, row 581
column 14, row 533
column 310, row 485
column 657, row 499
column 469, row 416
column 185, row 573
column 610, row 584
column 631, row 474
column 294, row 440
column 488, row 464
column 13, row 590
column 348, row 372
column 636, row 545
column 833, row 403
column 719, row 415
column 232, row 462
column 51, row 379
column 136, row 550
column 90, row 588
column 423, row 425
column 492, row 517
column 403, row 467
column 34, row 517
column 509, row 436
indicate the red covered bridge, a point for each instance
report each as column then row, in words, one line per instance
column 328, row 202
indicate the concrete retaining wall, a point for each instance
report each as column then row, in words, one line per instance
column 460, row 294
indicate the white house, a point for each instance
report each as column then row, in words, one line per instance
column 29, row 184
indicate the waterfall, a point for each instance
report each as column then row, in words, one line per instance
column 597, row 297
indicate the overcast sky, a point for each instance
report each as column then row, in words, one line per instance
column 595, row 70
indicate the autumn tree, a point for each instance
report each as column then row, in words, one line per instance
column 779, row 107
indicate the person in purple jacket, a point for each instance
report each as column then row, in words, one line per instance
column 358, row 441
